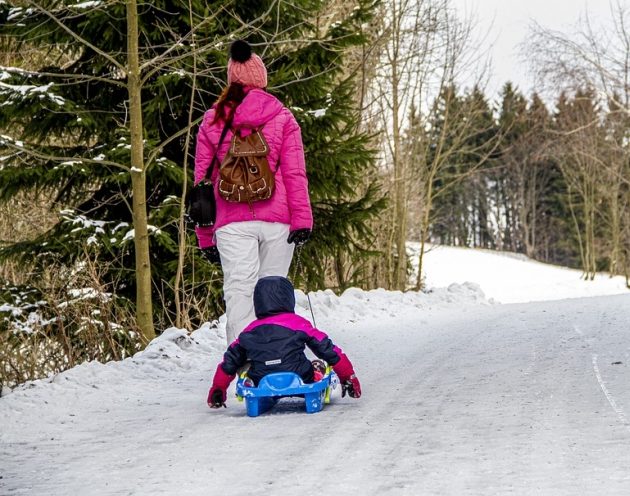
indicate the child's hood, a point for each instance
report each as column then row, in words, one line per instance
column 273, row 295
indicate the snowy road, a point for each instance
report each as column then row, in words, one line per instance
column 524, row 399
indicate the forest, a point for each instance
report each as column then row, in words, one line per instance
column 100, row 103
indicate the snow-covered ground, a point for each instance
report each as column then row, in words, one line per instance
column 460, row 397
column 510, row 277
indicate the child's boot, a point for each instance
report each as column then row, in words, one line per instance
column 319, row 370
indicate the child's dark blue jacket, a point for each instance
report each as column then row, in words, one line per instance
column 276, row 340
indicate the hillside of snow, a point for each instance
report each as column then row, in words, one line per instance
column 510, row 277
column 460, row 397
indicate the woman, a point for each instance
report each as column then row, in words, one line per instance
column 257, row 239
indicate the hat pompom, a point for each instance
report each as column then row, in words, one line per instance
column 240, row 51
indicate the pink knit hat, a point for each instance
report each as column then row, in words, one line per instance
column 245, row 67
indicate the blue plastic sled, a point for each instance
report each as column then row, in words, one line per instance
column 272, row 387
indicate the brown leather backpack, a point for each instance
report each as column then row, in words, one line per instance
column 245, row 175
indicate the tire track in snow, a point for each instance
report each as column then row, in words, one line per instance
column 621, row 415
column 602, row 384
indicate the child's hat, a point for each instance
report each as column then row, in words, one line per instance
column 245, row 67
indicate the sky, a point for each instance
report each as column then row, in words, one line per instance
column 505, row 24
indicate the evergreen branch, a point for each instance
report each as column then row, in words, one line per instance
column 81, row 78
column 78, row 37
column 7, row 141
column 211, row 44
column 198, row 50
column 180, row 42
column 154, row 153
column 171, row 61
column 329, row 69
column 178, row 58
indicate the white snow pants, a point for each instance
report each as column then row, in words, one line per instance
column 249, row 250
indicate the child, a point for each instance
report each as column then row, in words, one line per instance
column 275, row 342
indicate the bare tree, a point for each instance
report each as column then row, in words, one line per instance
column 464, row 130
column 576, row 150
column 424, row 49
column 596, row 58
column 408, row 55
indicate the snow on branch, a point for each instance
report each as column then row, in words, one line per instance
column 15, row 93
column 53, row 17
column 87, row 5
column 19, row 147
column 131, row 234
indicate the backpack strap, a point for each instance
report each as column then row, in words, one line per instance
column 208, row 175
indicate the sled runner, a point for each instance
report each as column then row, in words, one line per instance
column 279, row 385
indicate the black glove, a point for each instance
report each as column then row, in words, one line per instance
column 211, row 254
column 352, row 387
column 217, row 399
column 299, row 236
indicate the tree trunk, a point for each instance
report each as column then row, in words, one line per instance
column 396, row 219
column 418, row 286
column 424, row 232
column 178, row 289
column 144, row 308
column 339, row 267
column 615, row 232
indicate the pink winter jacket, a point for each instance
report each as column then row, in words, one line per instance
column 290, row 201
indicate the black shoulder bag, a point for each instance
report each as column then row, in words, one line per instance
column 201, row 207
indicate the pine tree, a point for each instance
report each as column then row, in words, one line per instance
column 504, row 181
column 479, row 150
column 442, row 135
column 528, row 185
column 464, row 127
column 65, row 124
column 449, row 145
column 547, row 228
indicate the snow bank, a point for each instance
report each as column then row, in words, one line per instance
column 356, row 304
column 175, row 349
